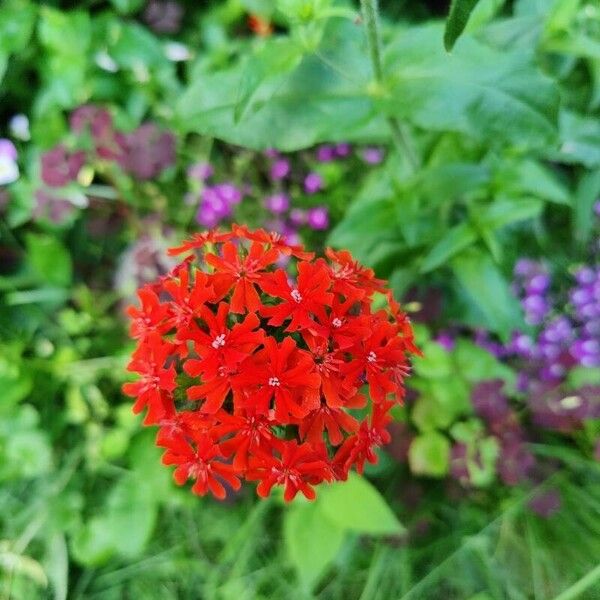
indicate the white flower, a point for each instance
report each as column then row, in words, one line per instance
column 106, row 62
column 9, row 171
column 19, row 127
column 177, row 52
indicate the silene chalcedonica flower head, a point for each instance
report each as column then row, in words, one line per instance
column 251, row 373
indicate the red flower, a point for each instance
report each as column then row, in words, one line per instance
column 201, row 464
column 241, row 273
column 282, row 374
column 151, row 318
column 252, row 433
column 249, row 376
column 199, row 240
column 301, row 301
column 299, row 467
column 221, row 345
column 157, row 382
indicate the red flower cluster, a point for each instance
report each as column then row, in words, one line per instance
column 252, row 374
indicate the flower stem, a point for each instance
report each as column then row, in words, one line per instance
column 370, row 15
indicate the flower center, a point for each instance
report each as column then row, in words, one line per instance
column 219, row 341
column 337, row 323
column 372, row 357
column 296, row 295
column 274, row 381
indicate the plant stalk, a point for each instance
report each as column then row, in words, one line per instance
column 370, row 16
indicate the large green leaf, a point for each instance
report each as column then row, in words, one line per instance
column 312, row 541
column 460, row 11
column 357, row 506
column 492, row 94
column 488, row 291
column 323, row 98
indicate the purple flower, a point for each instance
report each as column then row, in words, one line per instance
column 342, row 150
column 372, row 155
column 297, row 217
column 277, row 203
column 147, row 151
column 546, row 503
column 313, row 182
column 200, row 171
column 446, row 340
column 597, row 208
column 9, row 170
column 229, row 192
column 515, row 462
column 586, row 352
column 109, row 144
column 52, row 207
column 163, row 16
column 318, row 218
column 60, row 167
column 207, row 216
column 7, row 149
column 489, row 401
column 325, row 153
column 280, row 169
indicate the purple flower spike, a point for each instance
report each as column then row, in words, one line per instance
column 318, row 218
column 277, row 203
column 280, row 169
column 313, row 182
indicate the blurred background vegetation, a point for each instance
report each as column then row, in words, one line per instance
column 470, row 179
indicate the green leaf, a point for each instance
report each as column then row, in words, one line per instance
column 323, row 98
column 435, row 362
column 370, row 220
column 489, row 292
column 17, row 19
column 580, row 140
column 494, row 95
column 460, row 10
column 506, row 211
column 474, row 363
column 429, row 454
column 66, row 33
column 130, row 517
column 49, row 259
column 580, row 376
column 531, row 178
column 312, row 541
column 454, row 241
column 56, row 566
column 586, row 195
column 264, row 72
column 356, row 505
